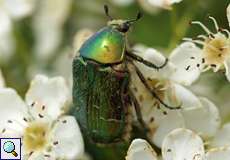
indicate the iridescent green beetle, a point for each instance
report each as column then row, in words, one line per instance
column 101, row 93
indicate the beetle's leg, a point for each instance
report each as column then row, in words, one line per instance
column 141, row 121
column 147, row 63
column 129, row 100
column 154, row 94
column 138, row 111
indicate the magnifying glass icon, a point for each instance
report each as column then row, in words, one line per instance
column 9, row 147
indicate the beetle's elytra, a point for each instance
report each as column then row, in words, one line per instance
column 99, row 98
column 101, row 94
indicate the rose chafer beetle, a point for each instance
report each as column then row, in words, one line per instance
column 101, row 94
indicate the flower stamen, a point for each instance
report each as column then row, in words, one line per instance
column 215, row 23
column 202, row 36
column 47, row 155
column 202, row 26
column 55, row 143
column 40, row 115
column 32, row 104
column 35, row 137
column 215, row 47
column 226, row 31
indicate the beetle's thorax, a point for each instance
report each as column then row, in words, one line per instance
column 107, row 46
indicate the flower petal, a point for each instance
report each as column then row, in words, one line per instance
column 221, row 97
column 47, row 23
column 166, row 4
column 145, row 5
column 68, row 138
column 141, row 149
column 39, row 156
column 48, row 97
column 204, row 120
column 222, row 137
column 207, row 86
column 181, row 58
column 19, row 8
column 48, row 39
column 5, row 21
column 171, row 121
column 222, row 153
column 227, row 68
column 186, row 97
column 7, row 45
column 182, row 144
column 13, row 111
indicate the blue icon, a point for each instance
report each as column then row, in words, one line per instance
column 9, row 147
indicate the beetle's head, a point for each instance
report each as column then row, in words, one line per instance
column 121, row 25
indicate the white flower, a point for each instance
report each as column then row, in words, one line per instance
column 207, row 86
column 11, row 10
column 185, row 73
column 177, row 69
column 45, row 131
column 19, row 8
column 165, row 4
column 180, row 144
column 215, row 48
column 197, row 113
column 52, row 93
column 216, row 88
column 47, row 23
column 6, row 38
column 140, row 149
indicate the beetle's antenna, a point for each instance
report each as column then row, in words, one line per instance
column 139, row 16
column 106, row 8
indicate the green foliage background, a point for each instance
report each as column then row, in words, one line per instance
column 163, row 30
